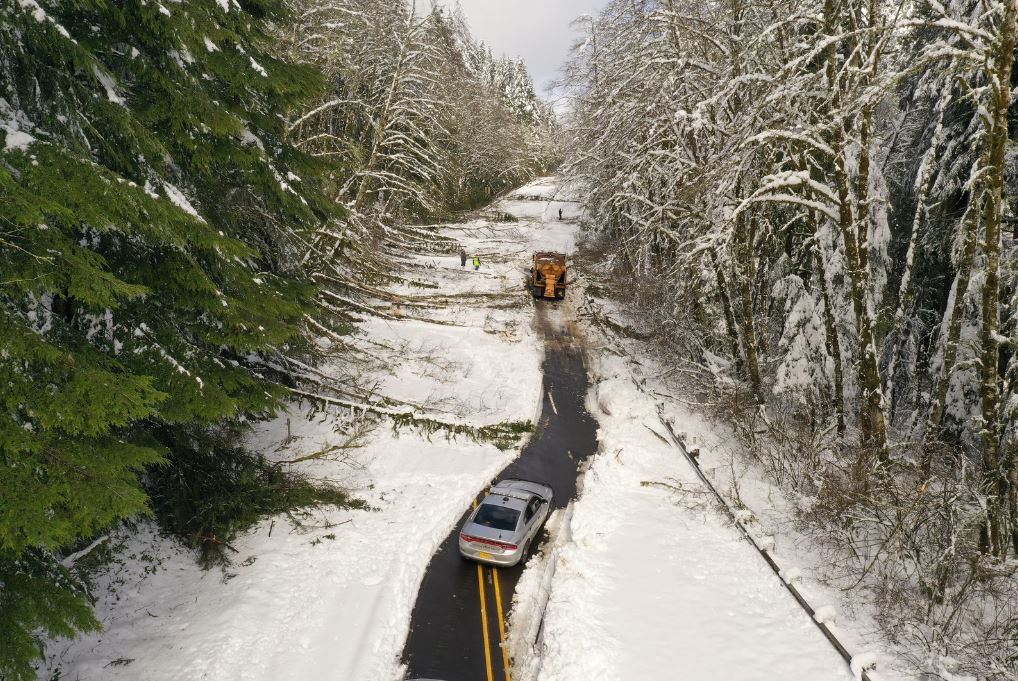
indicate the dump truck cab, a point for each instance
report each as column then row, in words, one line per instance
column 548, row 275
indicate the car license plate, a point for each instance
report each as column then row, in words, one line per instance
column 485, row 555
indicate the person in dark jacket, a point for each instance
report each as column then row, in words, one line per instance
column 559, row 213
column 463, row 258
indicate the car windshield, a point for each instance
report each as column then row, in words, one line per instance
column 497, row 517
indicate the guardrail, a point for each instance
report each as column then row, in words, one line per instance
column 858, row 668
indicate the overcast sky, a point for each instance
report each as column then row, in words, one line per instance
column 537, row 30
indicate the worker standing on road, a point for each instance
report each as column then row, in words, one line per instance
column 559, row 213
column 463, row 258
column 477, row 262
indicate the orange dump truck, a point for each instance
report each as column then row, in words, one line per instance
column 548, row 275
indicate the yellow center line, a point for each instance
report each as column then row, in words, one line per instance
column 501, row 626
column 484, row 622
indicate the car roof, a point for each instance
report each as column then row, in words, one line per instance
column 513, row 502
column 523, row 489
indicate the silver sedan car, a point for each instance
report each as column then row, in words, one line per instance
column 502, row 528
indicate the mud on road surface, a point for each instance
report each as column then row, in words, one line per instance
column 458, row 624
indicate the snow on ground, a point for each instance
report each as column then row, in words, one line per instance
column 769, row 515
column 450, row 369
column 642, row 578
column 332, row 599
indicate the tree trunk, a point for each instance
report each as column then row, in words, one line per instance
column 1011, row 462
column 833, row 342
column 873, row 425
column 995, row 479
column 744, row 238
column 726, row 306
column 862, row 191
column 381, row 125
column 700, row 312
column 854, row 236
column 961, row 283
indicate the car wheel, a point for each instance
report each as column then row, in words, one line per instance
column 524, row 554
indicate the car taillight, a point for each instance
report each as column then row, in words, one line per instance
column 490, row 542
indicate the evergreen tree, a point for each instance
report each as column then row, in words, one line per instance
column 168, row 177
column 38, row 594
column 152, row 218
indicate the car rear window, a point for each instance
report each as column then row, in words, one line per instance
column 497, row 517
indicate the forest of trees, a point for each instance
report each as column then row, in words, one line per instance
column 816, row 195
column 191, row 194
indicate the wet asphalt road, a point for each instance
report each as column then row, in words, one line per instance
column 447, row 634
